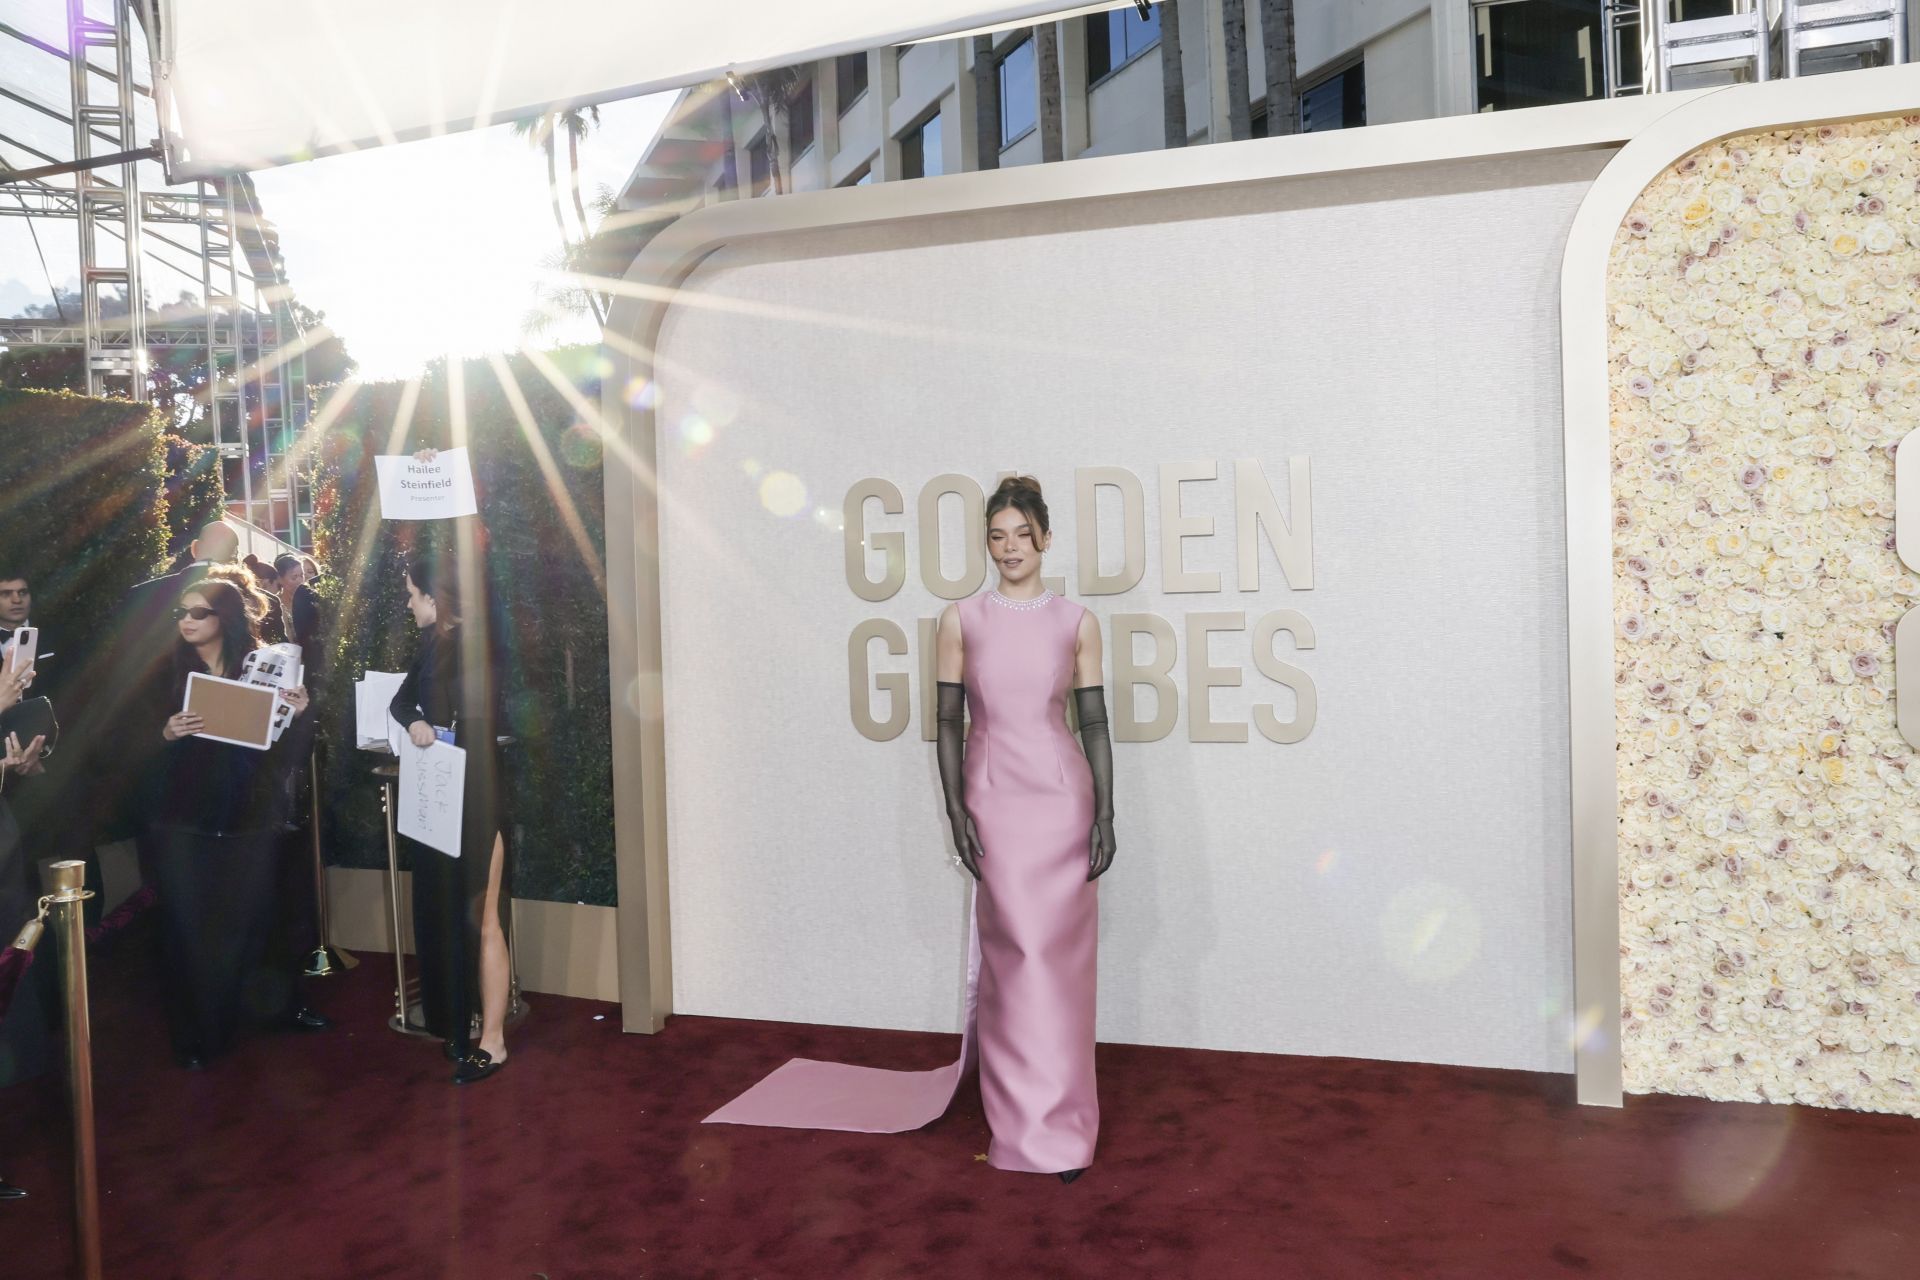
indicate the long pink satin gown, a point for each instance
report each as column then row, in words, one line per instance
column 1035, row 937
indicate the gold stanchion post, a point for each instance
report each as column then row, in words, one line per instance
column 326, row 959
column 65, row 883
column 403, row 1003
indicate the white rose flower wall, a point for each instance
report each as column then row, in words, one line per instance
column 1764, row 302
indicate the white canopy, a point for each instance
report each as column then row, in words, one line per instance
column 246, row 84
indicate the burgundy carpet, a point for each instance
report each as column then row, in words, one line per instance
column 348, row 1156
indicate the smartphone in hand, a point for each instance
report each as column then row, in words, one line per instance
column 20, row 656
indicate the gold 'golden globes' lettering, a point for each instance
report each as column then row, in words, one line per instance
column 1145, row 647
column 1306, row 700
column 1087, row 483
column 1203, row 678
column 892, row 683
column 891, row 546
column 1130, row 672
column 1291, row 539
column 1175, row 528
column 973, row 515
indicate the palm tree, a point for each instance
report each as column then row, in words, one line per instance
column 772, row 91
column 1283, row 84
column 538, row 131
column 1233, row 14
column 1046, row 54
column 578, row 122
column 1173, row 74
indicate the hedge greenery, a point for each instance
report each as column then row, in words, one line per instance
column 552, row 602
column 196, row 491
column 85, row 504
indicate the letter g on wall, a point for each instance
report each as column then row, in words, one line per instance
column 1906, row 541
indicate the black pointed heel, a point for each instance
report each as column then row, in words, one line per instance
column 1070, row 1175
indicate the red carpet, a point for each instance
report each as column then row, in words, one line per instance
column 348, row 1156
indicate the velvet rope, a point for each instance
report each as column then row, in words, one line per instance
column 13, row 963
column 123, row 915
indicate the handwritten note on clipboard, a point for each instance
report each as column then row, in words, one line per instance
column 433, row 783
column 232, row 710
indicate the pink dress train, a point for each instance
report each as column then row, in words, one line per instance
column 1035, row 936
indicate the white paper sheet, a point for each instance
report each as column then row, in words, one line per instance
column 437, row 490
column 433, row 783
column 373, row 692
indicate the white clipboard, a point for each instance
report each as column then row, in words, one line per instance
column 234, row 710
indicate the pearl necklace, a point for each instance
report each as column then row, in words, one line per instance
column 1034, row 603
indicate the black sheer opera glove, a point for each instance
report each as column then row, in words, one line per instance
column 1090, row 704
column 952, row 747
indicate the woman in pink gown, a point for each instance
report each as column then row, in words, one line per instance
column 1032, row 821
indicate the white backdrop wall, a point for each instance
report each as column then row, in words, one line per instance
column 1396, row 885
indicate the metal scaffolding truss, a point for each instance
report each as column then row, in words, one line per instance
column 134, row 230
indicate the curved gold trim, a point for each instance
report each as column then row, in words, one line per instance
column 1706, row 119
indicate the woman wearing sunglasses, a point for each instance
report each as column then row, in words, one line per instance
column 217, row 815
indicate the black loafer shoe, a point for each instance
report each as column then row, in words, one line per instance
column 477, row 1065
column 10, row 1192
column 305, row 1019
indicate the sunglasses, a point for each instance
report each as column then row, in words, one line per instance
column 199, row 613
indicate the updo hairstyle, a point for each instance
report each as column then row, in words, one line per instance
column 1022, row 493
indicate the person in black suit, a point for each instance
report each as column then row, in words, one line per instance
column 27, row 1041
column 46, row 799
column 460, row 905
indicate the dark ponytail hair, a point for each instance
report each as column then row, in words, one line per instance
column 1022, row 493
column 434, row 574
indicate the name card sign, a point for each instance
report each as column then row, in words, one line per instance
column 438, row 490
column 433, row 783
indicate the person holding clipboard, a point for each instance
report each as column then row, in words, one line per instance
column 460, row 903
column 217, row 817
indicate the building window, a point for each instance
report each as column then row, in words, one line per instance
column 1337, row 102
column 1529, row 53
column 1019, row 93
column 1257, row 120
column 1117, row 37
column 759, row 167
column 920, row 150
column 850, row 78
column 800, row 118
column 861, row 177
